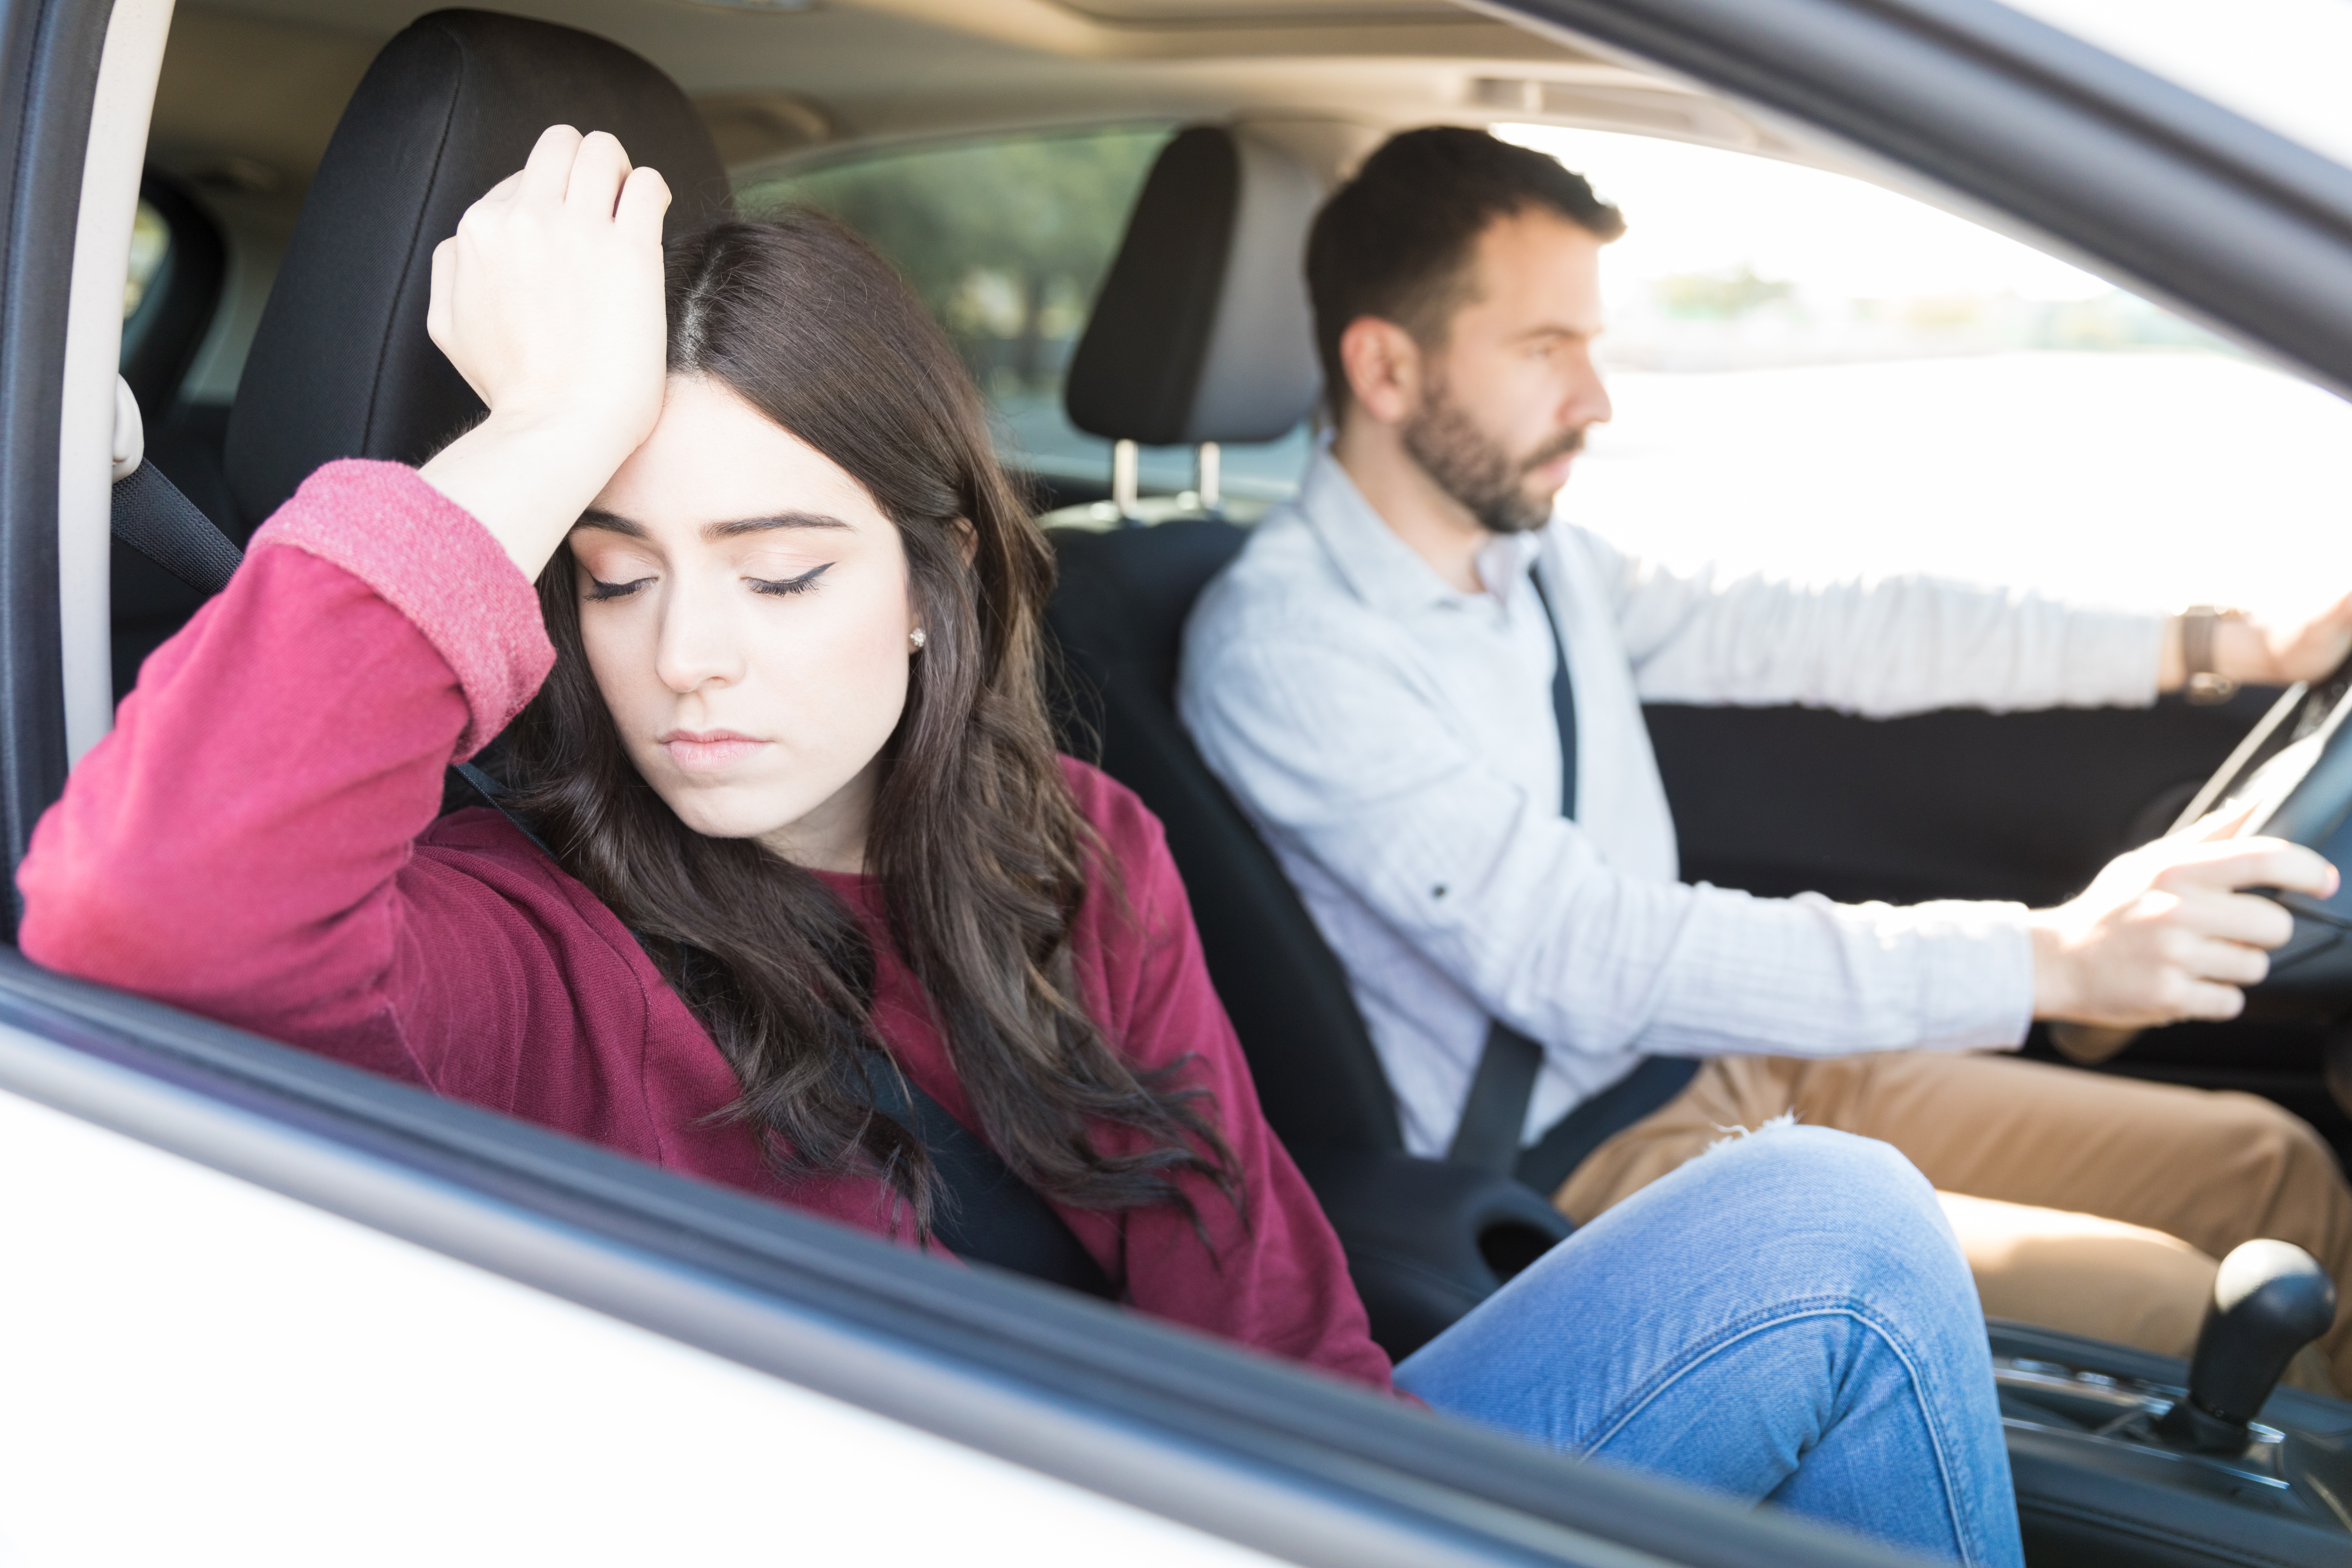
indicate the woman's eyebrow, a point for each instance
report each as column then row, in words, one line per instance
column 762, row 524
column 606, row 521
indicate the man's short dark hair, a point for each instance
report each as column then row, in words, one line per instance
column 1395, row 242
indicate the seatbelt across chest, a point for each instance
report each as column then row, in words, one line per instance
column 1494, row 1112
column 988, row 1214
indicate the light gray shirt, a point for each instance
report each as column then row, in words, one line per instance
column 1394, row 741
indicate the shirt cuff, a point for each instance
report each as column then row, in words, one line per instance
column 1976, row 992
column 432, row 561
column 2110, row 658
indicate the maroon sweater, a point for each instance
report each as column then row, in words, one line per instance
column 256, row 842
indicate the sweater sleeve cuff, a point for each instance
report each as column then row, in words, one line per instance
column 433, row 562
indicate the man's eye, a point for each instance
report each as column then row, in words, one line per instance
column 600, row 589
column 800, row 584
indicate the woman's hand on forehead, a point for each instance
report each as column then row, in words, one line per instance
column 548, row 301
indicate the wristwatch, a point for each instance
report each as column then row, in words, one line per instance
column 2204, row 684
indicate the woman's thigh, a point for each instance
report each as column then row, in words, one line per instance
column 1787, row 1317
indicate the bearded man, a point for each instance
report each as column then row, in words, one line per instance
column 1426, row 692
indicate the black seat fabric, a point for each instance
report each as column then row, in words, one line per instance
column 342, row 367
column 1426, row 1240
column 1202, row 331
column 1119, row 618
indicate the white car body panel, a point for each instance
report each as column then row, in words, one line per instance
column 195, row 1370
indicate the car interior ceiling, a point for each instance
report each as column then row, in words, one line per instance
column 1199, row 334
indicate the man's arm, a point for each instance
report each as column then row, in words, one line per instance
column 1877, row 648
column 1340, row 754
column 1887, row 647
column 1337, row 754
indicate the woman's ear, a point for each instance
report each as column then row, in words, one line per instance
column 967, row 540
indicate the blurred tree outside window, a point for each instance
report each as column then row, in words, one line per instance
column 1006, row 241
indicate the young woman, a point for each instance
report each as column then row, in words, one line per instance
column 776, row 709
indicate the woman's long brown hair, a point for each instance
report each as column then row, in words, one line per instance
column 982, row 855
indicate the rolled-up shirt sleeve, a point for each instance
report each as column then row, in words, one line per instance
column 1345, row 756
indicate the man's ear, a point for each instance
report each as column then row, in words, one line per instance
column 1384, row 368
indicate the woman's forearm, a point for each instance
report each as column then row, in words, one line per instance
column 233, row 846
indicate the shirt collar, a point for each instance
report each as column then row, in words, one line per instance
column 1381, row 568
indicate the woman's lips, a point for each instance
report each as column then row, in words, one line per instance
column 707, row 751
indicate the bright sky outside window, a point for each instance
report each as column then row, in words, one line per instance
column 1818, row 377
column 2279, row 62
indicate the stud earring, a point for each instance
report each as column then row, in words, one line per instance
column 917, row 638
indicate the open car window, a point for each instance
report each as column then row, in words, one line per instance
column 1816, row 376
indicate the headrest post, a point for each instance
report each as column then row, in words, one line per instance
column 1208, row 460
column 1126, row 477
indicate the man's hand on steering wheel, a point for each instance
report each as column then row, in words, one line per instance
column 2165, row 932
column 2252, row 652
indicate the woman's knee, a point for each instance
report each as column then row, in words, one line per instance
column 1848, row 1199
column 1830, row 1167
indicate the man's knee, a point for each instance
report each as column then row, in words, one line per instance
column 2270, row 1144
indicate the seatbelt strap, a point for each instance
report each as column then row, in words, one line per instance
column 149, row 513
column 1555, row 1157
column 987, row 1213
column 1563, row 697
column 1495, row 1113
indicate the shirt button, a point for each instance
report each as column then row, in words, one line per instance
column 1438, row 891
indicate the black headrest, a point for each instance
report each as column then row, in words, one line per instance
column 1202, row 331
column 342, row 367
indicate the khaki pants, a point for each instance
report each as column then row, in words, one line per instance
column 2094, row 1204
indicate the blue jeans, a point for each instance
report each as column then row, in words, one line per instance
column 1785, row 1319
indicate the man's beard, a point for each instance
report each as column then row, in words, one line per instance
column 1475, row 469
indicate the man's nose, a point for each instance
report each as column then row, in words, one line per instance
column 1588, row 397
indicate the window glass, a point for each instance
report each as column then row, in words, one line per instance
column 1816, row 376
column 1007, row 241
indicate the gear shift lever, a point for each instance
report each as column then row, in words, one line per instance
column 2269, row 1300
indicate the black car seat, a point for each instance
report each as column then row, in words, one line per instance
column 147, row 603
column 1201, row 332
column 340, row 365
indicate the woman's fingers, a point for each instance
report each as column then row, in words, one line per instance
column 645, row 198
column 437, row 324
column 598, row 169
column 548, row 170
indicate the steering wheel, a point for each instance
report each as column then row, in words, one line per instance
column 2295, row 768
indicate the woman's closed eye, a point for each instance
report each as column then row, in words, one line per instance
column 800, row 584
column 599, row 590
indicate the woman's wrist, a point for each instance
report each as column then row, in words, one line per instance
column 526, row 482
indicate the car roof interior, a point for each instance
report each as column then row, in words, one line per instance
column 250, row 93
